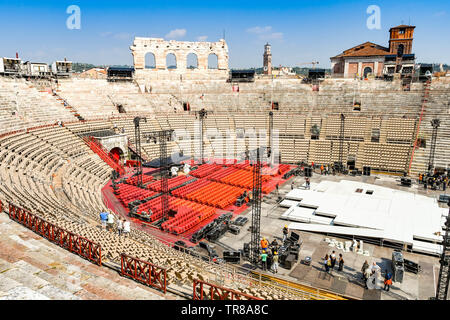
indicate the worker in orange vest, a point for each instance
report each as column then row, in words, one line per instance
column 264, row 244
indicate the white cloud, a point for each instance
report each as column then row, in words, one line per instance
column 176, row 34
column 440, row 14
column 202, row 38
column 265, row 33
column 259, row 30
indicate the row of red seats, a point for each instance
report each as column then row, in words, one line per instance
column 216, row 176
column 241, row 178
column 205, row 170
column 184, row 216
column 127, row 193
column 181, row 192
column 134, row 180
column 189, row 223
column 171, row 183
column 216, row 194
column 174, row 203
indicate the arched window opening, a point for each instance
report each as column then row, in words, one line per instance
column 150, row 62
column 171, row 61
column 192, row 61
column 213, row 61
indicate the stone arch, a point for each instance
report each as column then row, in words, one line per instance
column 171, row 61
column 150, row 61
column 192, row 61
column 213, row 61
column 117, row 154
column 367, row 70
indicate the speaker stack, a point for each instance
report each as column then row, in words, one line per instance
column 366, row 171
column 232, row 256
column 308, row 172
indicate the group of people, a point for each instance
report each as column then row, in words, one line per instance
column 435, row 182
column 330, row 262
column 107, row 220
column 269, row 252
column 269, row 255
column 368, row 272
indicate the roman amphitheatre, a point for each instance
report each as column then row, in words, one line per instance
column 177, row 151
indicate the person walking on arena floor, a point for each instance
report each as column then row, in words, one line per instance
column 126, row 227
column 341, row 262
column 110, row 221
column 387, row 280
column 103, row 219
column 275, row 262
column 333, row 259
column 119, row 226
column 327, row 263
column 264, row 260
column 363, row 270
column 367, row 274
column 264, row 244
column 285, row 232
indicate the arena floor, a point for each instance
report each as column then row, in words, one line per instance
column 348, row 282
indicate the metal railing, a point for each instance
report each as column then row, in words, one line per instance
column 143, row 272
column 217, row 293
column 65, row 239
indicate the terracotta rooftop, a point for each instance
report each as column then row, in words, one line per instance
column 401, row 26
column 366, row 49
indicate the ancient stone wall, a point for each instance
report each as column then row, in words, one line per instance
column 161, row 49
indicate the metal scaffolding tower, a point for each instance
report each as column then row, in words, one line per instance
column 341, row 142
column 256, row 209
column 269, row 149
column 162, row 137
column 137, row 138
column 444, row 271
column 435, row 123
column 201, row 115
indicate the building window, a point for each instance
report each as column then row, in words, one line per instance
column 402, row 31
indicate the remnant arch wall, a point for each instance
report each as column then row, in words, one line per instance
column 181, row 49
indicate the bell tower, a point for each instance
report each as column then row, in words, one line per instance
column 401, row 40
column 267, row 60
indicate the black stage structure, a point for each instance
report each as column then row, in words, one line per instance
column 162, row 137
column 202, row 115
column 341, row 142
column 256, row 209
column 444, row 271
column 137, row 139
column 435, row 123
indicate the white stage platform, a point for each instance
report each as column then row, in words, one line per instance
column 366, row 210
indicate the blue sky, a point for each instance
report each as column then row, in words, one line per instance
column 299, row 31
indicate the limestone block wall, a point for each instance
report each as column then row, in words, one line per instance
column 161, row 48
column 117, row 141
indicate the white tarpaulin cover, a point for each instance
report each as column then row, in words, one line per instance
column 379, row 212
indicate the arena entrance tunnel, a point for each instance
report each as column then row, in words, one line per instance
column 116, row 154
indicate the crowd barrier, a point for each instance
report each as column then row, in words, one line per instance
column 65, row 239
column 144, row 272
